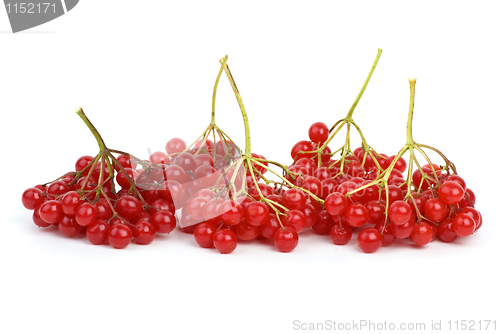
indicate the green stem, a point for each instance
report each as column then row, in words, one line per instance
column 214, row 95
column 351, row 111
column 248, row 148
column 409, row 134
column 92, row 128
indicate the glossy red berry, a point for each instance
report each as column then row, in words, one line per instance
column 295, row 219
column 357, row 215
column 204, row 234
column 70, row 203
column 294, row 199
column 399, row 212
column 32, row 198
column 463, row 225
column 336, row 204
column 402, row 231
column 286, row 239
column 303, row 146
column 69, row 227
column 318, row 132
column 175, row 145
column 144, row 232
column 120, row 235
column 369, row 240
column 422, row 234
column 225, row 241
column 245, row 231
column 323, row 224
column 97, row 232
column 128, row 207
column 445, row 231
column 51, row 211
column 163, row 221
column 451, row 192
column 86, row 214
column 256, row 213
column 435, row 210
column 270, row 227
column 387, row 237
column 231, row 212
column 340, row 235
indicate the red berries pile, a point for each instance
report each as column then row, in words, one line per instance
column 224, row 196
column 100, row 213
column 443, row 209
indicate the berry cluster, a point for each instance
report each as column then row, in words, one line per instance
column 226, row 195
column 368, row 190
column 86, row 201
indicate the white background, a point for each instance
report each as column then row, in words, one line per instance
column 144, row 70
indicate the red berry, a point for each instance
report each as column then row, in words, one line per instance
column 445, row 231
column 402, row 231
column 399, row 212
column 159, row 158
column 144, row 232
column 458, row 180
column 336, row 204
column 400, row 163
column 225, row 241
column 318, row 132
column 125, row 161
column 120, row 235
column 51, row 211
column 187, row 161
column 294, row 199
column 463, row 225
column 384, row 229
column 86, row 214
column 270, row 227
column 256, row 213
column 435, row 210
column 163, row 221
column 104, row 211
column 421, row 234
column 175, row 145
column 70, row 203
column 451, row 192
column 310, row 214
column 82, row 162
column 295, row 219
column 128, row 207
column 39, row 221
column 97, row 232
column 232, row 212
column 323, row 224
column 369, row 240
column 122, row 180
column 377, row 212
column 32, row 198
column 340, row 235
column 395, row 194
column 303, row 146
column 357, row 215
column 286, row 239
column 469, row 199
column 204, row 234
column 245, row 231
column 69, row 227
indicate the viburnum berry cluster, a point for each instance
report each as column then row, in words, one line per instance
column 239, row 202
column 226, row 195
column 86, row 201
column 368, row 191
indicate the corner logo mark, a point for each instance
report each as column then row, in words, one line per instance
column 26, row 14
